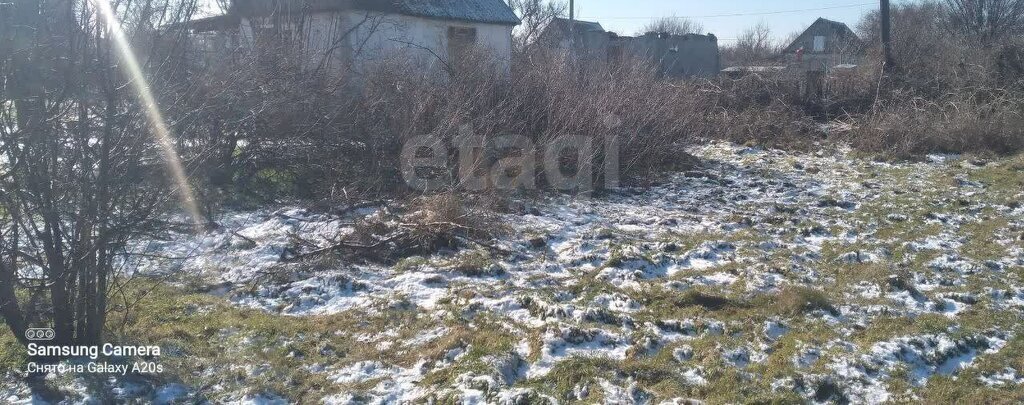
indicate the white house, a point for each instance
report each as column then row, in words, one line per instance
column 825, row 44
column 353, row 34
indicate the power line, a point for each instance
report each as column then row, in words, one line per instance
column 740, row 14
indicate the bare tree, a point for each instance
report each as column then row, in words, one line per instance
column 536, row 15
column 989, row 20
column 673, row 26
column 755, row 44
column 930, row 52
column 79, row 178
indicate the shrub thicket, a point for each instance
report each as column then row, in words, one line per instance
column 263, row 123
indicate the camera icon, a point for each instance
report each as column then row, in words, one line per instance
column 40, row 334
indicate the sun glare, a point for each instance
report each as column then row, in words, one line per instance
column 156, row 119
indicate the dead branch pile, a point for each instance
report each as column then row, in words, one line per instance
column 424, row 226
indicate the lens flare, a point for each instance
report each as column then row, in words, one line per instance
column 156, row 120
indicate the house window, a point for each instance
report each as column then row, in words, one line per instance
column 460, row 41
column 819, row 43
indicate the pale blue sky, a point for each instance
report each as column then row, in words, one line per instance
column 725, row 18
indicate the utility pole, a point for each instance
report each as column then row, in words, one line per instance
column 572, row 26
column 572, row 10
column 883, row 13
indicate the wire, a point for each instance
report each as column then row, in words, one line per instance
column 739, row 14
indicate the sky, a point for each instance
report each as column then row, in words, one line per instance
column 724, row 18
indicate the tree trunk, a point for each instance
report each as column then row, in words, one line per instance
column 9, row 307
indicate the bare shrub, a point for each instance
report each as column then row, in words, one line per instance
column 755, row 45
column 337, row 136
column 851, row 91
column 643, row 115
column 328, row 137
column 987, row 20
column 764, row 109
column 535, row 16
column 952, row 92
column 422, row 226
column 980, row 122
column 84, row 167
column 775, row 125
column 441, row 220
column 933, row 54
column 673, row 26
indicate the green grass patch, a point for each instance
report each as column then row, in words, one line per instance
column 12, row 353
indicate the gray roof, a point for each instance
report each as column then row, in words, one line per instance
column 578, row 26
column 558, row 30
column 486, row 11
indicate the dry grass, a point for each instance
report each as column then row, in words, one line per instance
column 425, row 225
column 985, row 122
column 793, row 301
column 444, row 220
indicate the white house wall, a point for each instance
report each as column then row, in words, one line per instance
column 422, row 39
column 373, row 38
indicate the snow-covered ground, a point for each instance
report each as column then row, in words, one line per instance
column 760, row 274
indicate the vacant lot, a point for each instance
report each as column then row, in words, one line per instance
column 758, row 275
